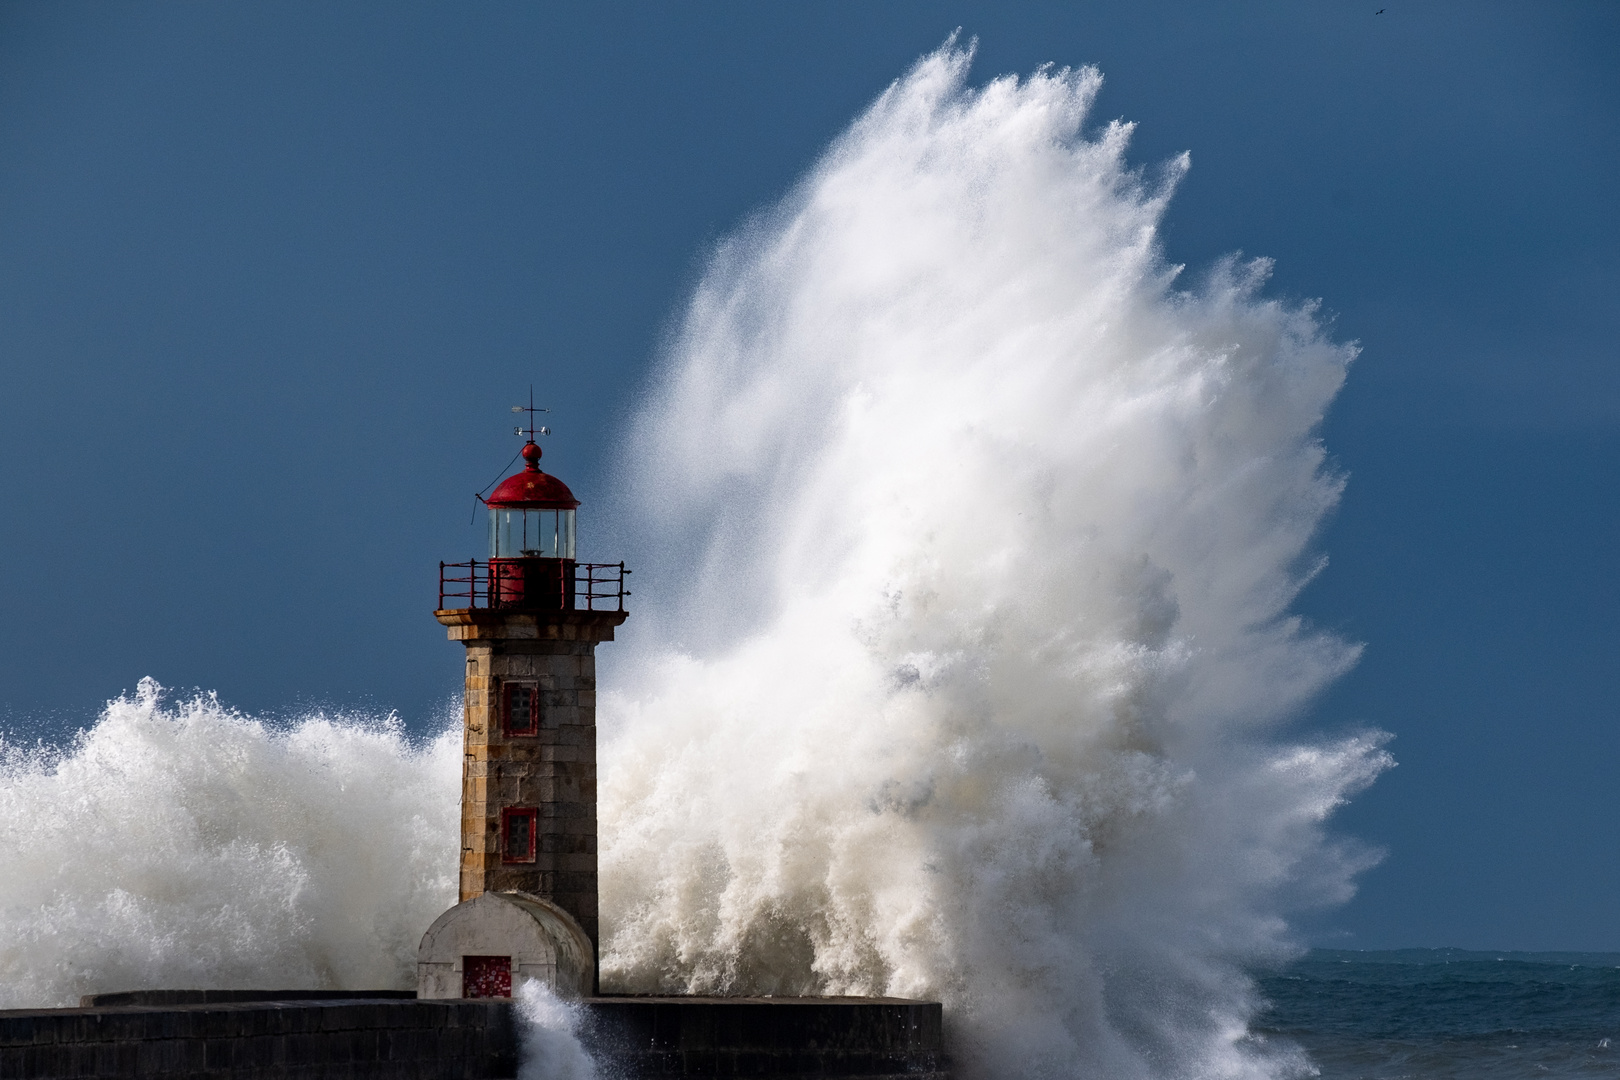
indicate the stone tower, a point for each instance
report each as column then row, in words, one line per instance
column 530, row 618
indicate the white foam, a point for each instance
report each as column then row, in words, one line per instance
column 189, row 847
column 971, row 538
column 550, row 1036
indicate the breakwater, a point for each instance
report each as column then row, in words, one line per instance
column 250, row 1035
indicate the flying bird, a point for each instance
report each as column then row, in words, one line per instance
column 1380, row 11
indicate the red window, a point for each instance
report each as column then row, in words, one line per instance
column 486, row 976
column 518, row 826
column 520, row 708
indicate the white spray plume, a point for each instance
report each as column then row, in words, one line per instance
column 550, row 1036
column 193, row 848
column 978, row 536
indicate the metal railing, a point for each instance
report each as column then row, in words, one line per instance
column 599, row 581
column 595, row 586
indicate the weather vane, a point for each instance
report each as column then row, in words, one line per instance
column 531, row 431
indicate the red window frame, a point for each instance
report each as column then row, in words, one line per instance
column 514, row 725
column 508, row 816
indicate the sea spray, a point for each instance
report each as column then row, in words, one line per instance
column 964, row 638
column 186, row 846
column 550, row 1036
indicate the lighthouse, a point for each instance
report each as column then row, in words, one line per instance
column 530, row 617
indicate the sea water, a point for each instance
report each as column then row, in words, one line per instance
column 1449, row 1014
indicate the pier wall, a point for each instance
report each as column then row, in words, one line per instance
column 196, row 1036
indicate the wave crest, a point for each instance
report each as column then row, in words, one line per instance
column 190, row 847
column 980, row 535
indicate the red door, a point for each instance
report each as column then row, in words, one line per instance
column 486, row 976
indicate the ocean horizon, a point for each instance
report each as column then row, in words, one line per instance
column 1435, row 1014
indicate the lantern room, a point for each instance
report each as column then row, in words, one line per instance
column 531, row 538
column 531, row 514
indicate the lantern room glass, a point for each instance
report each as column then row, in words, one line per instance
column 531, row 534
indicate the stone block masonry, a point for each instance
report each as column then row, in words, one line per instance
column 309, row 1040
column 528, row 798
column 661, row 1038
column 176, row 1035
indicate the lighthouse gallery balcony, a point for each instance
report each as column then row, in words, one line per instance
column 532, row 584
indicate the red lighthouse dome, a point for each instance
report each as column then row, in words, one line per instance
column 532, row 489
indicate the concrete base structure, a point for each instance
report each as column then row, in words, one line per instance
column 631, row 1038
column 535, row 938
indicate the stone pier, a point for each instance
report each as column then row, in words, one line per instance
column 277, row 1035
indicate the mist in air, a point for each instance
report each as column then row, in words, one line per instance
column 988, row 524
column 962, row 658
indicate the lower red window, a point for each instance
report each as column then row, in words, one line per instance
column 486, row 976
column 518, row 826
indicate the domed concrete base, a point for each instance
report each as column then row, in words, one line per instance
column 486, row 947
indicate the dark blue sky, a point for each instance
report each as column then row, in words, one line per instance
column 270, row 276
